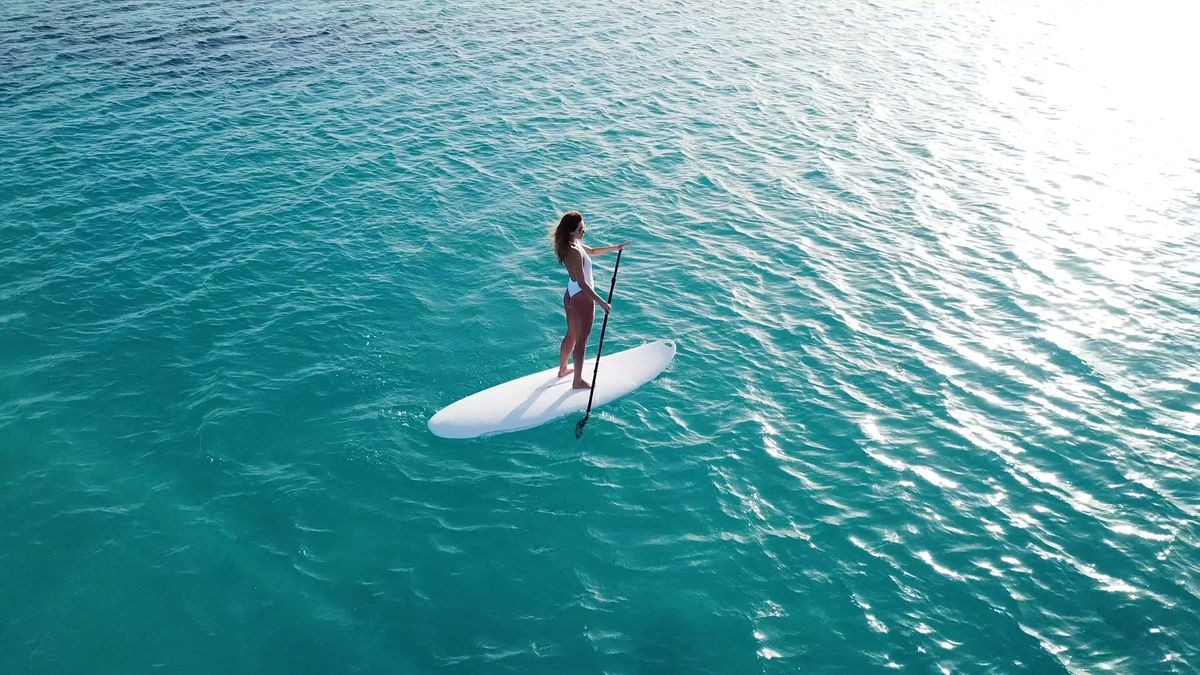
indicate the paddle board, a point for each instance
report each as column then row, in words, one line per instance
column 535, row 399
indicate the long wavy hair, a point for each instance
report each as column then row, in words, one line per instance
column 561, row 234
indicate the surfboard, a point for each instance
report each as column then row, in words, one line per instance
column 533, row 400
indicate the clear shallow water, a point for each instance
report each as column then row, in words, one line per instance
column 932, row 269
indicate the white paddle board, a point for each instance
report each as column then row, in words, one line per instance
column 535, row 399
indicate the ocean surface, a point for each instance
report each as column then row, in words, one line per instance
column 933, row 270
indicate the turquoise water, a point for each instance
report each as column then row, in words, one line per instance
column 932, row 269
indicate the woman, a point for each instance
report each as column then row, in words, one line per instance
column 581, row 298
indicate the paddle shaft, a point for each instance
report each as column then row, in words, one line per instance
column 599, row 349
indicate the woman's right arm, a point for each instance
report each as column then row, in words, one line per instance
column 574, row 263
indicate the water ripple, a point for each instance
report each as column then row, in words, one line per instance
column 931, row 270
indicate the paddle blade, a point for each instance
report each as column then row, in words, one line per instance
column 579, row 426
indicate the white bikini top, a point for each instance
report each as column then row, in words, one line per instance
column 573, row 286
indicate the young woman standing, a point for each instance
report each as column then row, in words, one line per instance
column 581, row 298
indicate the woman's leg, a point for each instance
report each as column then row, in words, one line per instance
column 568, row 342
column 585, row 315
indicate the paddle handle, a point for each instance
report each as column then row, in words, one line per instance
column 599, row 349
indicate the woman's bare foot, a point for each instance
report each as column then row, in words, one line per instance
column 564, row 371
column 581, row 384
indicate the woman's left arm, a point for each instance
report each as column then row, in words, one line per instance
column 601, row 250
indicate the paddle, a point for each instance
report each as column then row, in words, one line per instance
column 599, row 350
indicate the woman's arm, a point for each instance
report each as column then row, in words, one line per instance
column 601, row 250
column 574, row 263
